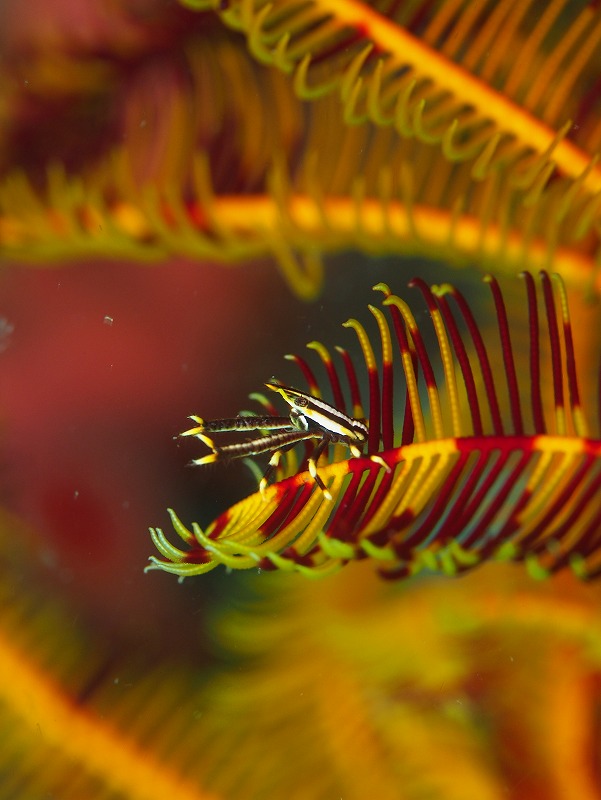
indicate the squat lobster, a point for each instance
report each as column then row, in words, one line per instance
column 309, row 418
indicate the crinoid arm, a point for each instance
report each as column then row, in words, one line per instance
column 470, row 456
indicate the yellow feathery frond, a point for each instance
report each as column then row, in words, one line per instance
column 61, row 717
column 406, row 69
column 380, row 706
column 237, row 167
column 406, row 201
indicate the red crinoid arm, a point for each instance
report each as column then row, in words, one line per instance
column 450, row 489
column 333, row 377
column 507, row 352
column 555, row 352
column 492, row 402
column 535, row 383
column 387, row 393
column 408, row 352
column 353, row 383
column 459, row 347
column 373, row 441
column 308, row 374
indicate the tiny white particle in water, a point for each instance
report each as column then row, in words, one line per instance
column 108, row 320
column 6, row 331
column 75, row 494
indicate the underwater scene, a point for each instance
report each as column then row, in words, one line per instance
column 300, row 400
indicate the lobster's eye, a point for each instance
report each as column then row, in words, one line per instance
column 301, row 402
